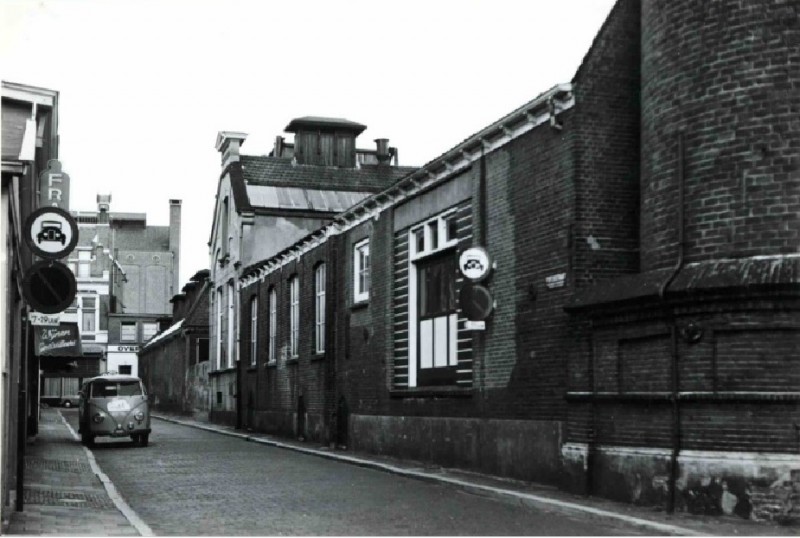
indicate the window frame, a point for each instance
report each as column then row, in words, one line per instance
column 319, row 308
column 122, row 325
column 294, row 316
column 361, row 269
column 428, row 241
column 272, row 295
column 253, row 330
column 145, row 324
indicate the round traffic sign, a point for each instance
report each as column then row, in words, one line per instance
column 474, row 263
column 475, row 301
column 49, row 287
column 51, row 232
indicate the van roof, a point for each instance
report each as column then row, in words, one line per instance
column 113, row 377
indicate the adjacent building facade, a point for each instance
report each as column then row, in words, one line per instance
column 29, row 143
column 175, row 364
column 633, row 332
column 265, row 203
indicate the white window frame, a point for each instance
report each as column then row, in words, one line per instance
column 231, row 324
column 361, row 270
column 220, row 321
column 253, row 330
column 273, row 325
column 135, row 331
column 145, row 325
column 294, row 315
column 81, row 307
column 415, row 254
column 319, row 309
column 84, row 263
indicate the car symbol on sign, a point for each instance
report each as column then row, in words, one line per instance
column 51, row 231
column 473, row 263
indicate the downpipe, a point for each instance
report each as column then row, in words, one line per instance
column 673, row 328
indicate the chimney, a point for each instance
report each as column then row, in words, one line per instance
column 382, row 153
column 103, row 207
column 228, row 144
column 175, row 240
column 278, row 152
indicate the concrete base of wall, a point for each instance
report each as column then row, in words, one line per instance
column 285, row 423
column 756, row 486
column 523, row 449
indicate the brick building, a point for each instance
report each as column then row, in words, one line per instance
column 175, row 364
column 643, row 222
column 265, row 203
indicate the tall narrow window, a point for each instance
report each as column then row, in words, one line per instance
column 319, row 309
column 231, row 327
column 294, row 314
column 361, row 269
column 88, row 316
column 221, row 330
column 253, row 329
column 84, row 263
column 273, row 323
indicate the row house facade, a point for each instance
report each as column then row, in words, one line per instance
column 266, row 203
column 634, row 328
column 30, row 141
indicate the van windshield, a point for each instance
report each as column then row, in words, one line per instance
column 111, row 389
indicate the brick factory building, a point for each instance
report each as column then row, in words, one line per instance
column 640, row 330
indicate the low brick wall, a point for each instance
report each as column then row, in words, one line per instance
column 522, row 449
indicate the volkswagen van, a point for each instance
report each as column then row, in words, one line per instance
column 113, row 405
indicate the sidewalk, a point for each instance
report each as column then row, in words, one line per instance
column 651, row 520
column 65, row 492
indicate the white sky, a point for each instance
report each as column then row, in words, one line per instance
column 145, row 85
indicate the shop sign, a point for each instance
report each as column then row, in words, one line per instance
column 54, row 186
column 61, row 341
column 38, row 319
column 123, row 349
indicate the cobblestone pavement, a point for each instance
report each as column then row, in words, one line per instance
column 194, row 481
column 62, row 493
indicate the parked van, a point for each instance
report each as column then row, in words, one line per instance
column 114, row 405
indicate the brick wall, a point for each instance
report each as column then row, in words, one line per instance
column 726, row 74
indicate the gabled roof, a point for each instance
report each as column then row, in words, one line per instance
column 280, row 172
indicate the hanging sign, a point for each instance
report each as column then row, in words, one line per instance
column 62, row 341
column 474, row 263
column 54, row 186
column 51, row 232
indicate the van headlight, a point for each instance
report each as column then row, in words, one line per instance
column 98, row 418
column 139, row 416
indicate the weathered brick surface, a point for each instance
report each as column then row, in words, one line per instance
column 726, row 74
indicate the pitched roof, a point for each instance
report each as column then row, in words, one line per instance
column 281, row 172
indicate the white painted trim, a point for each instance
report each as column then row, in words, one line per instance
column 751, row 458
column 360, row 295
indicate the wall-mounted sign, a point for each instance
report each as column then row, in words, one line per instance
column 474, row 263
column 475, row 301
column 475, row 325
column 54, row 186
column 49, row 287
column 123, row 349
column 39, row 319
column 51, row 232
column 556, row 281
column 62, row 341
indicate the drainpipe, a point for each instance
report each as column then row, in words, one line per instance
column 675, row 381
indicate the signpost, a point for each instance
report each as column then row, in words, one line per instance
column 474, row 299
column 475, row 264
column 49, row 287
column 51, row 232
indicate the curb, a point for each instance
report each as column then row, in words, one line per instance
column 496, row 492
column 136, row 522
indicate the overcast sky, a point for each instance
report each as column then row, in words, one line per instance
column 146, row 85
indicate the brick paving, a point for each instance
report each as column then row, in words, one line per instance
column 63, row 496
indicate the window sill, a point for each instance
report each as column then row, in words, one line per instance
column 431, row 392
column 271, row 364
column 222, row 371
column 318, row 357
column 293, row 360
column 360, row 304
